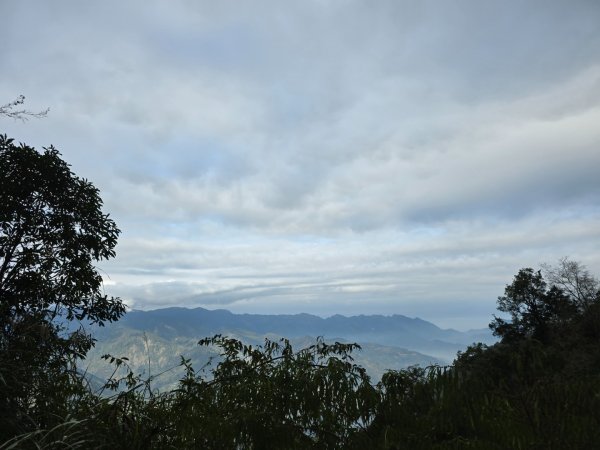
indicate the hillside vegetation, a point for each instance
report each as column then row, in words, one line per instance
column 537, row 388
column 160, row 336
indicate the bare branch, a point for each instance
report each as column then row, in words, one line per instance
column 8, row 110
column 574, row 279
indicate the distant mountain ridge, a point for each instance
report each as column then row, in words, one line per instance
column 154, row 340
column 396, row 330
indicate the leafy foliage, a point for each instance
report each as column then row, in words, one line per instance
column 537, row 388
column 52, row 230
column 255, row 397
column 314, row 398
column 533, row 308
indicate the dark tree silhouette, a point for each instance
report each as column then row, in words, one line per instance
column 52, row 231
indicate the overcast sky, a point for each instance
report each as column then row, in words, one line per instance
column 321, row 156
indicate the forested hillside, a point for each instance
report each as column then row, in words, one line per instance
column 538, row 387
column 161, row 336
column 396, row 331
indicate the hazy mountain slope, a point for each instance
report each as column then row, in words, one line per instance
column 396, row 331
column 154, row 341
column 159, row 356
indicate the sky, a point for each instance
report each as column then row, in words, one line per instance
column 323, row 156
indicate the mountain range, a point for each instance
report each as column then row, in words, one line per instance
column 155, row 340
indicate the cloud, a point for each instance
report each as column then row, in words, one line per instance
column 323, row 156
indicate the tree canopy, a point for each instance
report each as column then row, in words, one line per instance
column 52, row 232
column 540, row 305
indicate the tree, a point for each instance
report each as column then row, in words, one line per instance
column 272, row 397
column 52, row 231
column 575, row 280
column 544, row 302
column 533, row 308
column 8, row 110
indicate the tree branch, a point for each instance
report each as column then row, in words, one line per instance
column 20, row 114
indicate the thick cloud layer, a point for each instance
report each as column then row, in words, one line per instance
column 322, row 156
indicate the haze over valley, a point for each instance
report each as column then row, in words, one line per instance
column 153, row 341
